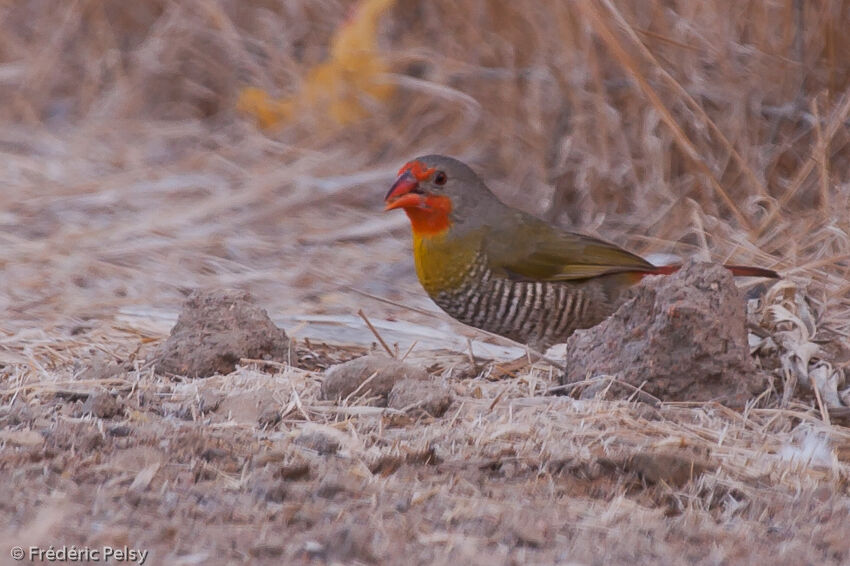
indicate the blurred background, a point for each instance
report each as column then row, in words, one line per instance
column 152, row 147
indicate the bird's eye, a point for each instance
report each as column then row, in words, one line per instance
column 440, row 178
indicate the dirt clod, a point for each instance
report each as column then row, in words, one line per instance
column 101, row 405
column 209, row 400
column 215, row 329
column 294, row 470
column 119, row 431
column 420, row 398
column 269, row 417
column 103, row 368
column 382, row 372
column 529, row 530
column 673, row 467
column 335, row 482
column 681, row 338
column 319, row 441
column 353, row 542
column 12, row 415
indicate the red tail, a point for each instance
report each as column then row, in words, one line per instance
column 737, row 271
column 748, row 271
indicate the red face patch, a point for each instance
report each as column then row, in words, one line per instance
column 417, row 169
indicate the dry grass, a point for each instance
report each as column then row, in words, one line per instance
column 700, row 128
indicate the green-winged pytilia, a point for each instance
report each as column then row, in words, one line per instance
column 502, row 270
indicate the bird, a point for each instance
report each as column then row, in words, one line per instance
column 505, row 271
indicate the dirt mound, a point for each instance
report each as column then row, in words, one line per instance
column 215, row 329
column 372, row 375
column 681, row 338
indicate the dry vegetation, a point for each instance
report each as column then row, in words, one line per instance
column 716, row 129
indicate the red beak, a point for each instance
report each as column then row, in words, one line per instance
column 404, row 193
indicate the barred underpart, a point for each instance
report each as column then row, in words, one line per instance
column 531, row 312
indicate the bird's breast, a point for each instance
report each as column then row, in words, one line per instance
column 446, row 264
column 457, row 276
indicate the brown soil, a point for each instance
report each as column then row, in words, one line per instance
column 274, row 463
column 189, row 471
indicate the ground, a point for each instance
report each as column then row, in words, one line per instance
column 256, row 466
column 134, row 172
column 195, row 471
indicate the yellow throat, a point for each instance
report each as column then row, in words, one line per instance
column 442, row 262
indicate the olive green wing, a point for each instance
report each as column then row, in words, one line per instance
column 530, row 249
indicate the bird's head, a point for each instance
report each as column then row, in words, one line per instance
column 436, row 192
